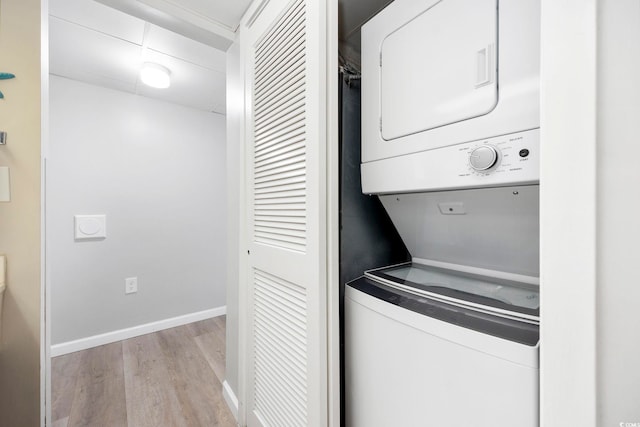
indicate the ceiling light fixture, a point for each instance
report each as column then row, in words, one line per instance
column 155, row 75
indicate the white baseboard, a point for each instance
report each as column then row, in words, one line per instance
column 230, row 398
column 135, row 331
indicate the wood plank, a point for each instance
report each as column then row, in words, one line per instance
column 202, row 327
column 99, row 398
column 198, row 389
column 169, row 378
column 213, row 349
column 221, row 409
column 151, row 398
column 64, row 375
column 221, row 323
column 62, row 422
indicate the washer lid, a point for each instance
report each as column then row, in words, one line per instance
column 515, row 330
column 482, row 293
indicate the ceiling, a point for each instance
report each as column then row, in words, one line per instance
column 212, row 22
column 97, row 44
column 105, row 42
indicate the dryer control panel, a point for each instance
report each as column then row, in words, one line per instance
column 510, row 153
column 503, row 160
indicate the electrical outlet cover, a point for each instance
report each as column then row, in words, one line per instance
column 130, row 285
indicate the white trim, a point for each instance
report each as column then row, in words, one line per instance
column 231, row 399
column 243, row 267
column 135, row 331
column 45, row 269
column 257, row 13
column 172, row 16
column 191, row 16
column 333, row 217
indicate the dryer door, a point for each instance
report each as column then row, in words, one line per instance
column 439, row 68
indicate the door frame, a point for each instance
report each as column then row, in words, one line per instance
column 45, row 269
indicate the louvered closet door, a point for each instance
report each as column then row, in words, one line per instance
column 285, row 66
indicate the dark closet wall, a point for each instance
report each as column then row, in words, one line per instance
column 368, row 238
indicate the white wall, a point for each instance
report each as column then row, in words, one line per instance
column 567, row 213
column 618, row 229
column 589, row 213
column 157, row 170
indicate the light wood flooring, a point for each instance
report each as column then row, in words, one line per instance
column 168, row 378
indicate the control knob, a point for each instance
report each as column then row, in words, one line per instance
column 483, row 158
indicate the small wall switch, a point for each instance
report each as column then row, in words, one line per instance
column 130, row 285
column 90, row 227
column 3, row 273
column 452, row 208
column 5, row 185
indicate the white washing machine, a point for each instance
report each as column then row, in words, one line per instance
column 429, row 346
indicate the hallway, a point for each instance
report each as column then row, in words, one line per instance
column 168, row 378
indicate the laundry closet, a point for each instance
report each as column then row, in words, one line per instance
column 439, row 271
column 425, row 227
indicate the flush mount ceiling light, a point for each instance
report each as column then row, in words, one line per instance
column 155, row 75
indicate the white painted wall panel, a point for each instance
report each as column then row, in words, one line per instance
column 157, row 170
column 618, row 293
column 567, row 214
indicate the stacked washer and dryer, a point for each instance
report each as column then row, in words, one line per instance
column 450, row 145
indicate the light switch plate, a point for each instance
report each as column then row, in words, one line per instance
column 90, row 227
column 5, row 184
column 3, row 272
